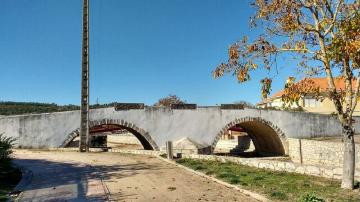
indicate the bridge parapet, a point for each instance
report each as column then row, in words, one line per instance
column 160, row 124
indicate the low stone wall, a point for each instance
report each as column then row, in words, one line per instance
column 141, row 152
column 242, row 144
column 125, row 138
column 322, row 153
column 225, row 146
column 279, row 165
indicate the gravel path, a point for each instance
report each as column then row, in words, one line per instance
column 73, row 176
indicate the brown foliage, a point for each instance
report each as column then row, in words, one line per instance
column 346, row 43
column 294, row 91
column 326, row 31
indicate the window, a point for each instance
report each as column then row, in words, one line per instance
column 311, row 102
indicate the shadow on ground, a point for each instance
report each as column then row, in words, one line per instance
column 72, row 180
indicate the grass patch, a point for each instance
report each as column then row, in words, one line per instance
column 9, row 178
column 278, row 195
column 277, row 186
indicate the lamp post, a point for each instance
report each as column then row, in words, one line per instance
column 84, row 107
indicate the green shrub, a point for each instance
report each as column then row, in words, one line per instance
column 6, row 144
column 311, row 198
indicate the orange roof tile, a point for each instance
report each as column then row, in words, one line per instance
column 322, row 83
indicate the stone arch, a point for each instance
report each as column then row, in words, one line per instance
column 267, row 137
column 143, row 136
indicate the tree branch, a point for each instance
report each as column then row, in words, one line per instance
column 302, row 25
column 356, row 94
column 334, row 16
column 295, row 50
column 333, row 92
column 304, row 4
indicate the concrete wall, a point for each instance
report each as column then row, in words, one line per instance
column 202, row 125
column 319, row 152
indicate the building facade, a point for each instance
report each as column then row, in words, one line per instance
column 310, row 103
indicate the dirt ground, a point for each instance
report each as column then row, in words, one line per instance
column 140, row 178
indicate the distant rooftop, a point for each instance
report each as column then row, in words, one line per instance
column 322, row 83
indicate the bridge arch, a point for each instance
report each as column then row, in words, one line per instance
column 267, row 137
column 143, row 136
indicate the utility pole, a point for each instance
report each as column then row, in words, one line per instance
column 84, row 108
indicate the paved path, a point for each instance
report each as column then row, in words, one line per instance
column 60, row 180
column 73, row 176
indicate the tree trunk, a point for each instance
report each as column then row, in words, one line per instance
column 349, row 158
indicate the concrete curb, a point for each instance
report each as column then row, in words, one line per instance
column 246, row 192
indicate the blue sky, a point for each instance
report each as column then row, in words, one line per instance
column 140, row 50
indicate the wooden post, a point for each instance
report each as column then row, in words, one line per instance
column 84, row 107
column 169, row 150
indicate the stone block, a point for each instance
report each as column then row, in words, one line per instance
column 328, row 173
column 300, row 169
column 313, row 170
column 289, row 166
column 337, row 171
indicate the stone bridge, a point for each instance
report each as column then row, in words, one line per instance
column 153, row 126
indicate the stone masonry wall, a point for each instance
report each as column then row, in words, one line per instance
column 319, row 152
column 279, row 165
column 126, row 138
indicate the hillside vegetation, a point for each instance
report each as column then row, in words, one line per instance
column 17, row 108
